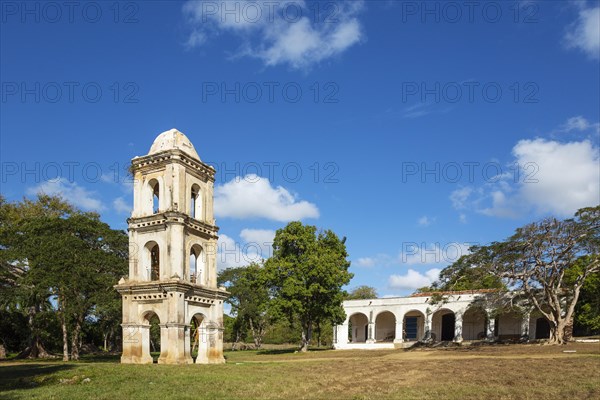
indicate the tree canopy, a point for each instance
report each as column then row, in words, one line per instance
column 362, row 292
column 305, row 276
column 249, row 300
column 548, row 263
column 55, row 256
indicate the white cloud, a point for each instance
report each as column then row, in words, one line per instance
column 254, row 197
column 584, row 33
column 551, row 177
column 462, row 218
column 425, row 221
column 580, row 124
column 71, row 192
column 378, row 260
column 413, row 279
column 121, row 206
column 556, row 178
column 459, row 197
column 258, row 235
column 229, row 253
column 260, row 239
column 254, row 247
column 568, row 176
column 367, row 262
column 277, row 32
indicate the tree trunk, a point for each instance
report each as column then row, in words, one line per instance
column 35, row 349
column 63, row 324
column 318, row 335
column 568, row 330
column 257, row 334
column 75, row 343
column 306, row 337
column 65, row 337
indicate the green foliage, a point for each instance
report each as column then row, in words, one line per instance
column 305, row 276
column 249, row 300
column 587, row 311
column 362, row 293
column 282, row 332
column 466, row 273
column 49, row 251
column 548, row 262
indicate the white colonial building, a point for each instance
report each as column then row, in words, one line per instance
column 461, row 316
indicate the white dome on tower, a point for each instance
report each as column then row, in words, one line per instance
column 173, row 139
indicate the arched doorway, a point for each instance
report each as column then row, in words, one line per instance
column 542, row 328
column 443, row 323
column 385, row 327
column 508, row 325
column 151, row 336
column 198, row 339
column 474, row 324
column 413, row 325
column 358, row 326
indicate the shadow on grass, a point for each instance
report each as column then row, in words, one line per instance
column 290, row 350
column 27, row 376
column 102, row 357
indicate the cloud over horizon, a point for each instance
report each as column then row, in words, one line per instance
column 553, row 177
column 254, row 197
column 278, row 33
column 70, row 191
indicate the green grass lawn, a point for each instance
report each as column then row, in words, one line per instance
column 490, row 372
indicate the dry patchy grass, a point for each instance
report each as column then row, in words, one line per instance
column 490, row 372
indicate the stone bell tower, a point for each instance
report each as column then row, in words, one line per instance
column 172, row 264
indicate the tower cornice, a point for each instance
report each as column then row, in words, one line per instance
column 158, row 161
column 157, row 222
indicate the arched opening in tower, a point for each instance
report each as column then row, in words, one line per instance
column 197, row 265
column 154, row 263
column 196, row 203
column 152, row 336
column 155, row 187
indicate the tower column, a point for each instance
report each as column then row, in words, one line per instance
column 173, row 341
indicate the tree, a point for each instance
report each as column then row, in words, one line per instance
column 66, row 258
column 464, row 275
column 79, row 258
column 587, row 310
column 305, row 276
column 362, row 293
column 17, row 293
column 249, row 300
column 540, row 262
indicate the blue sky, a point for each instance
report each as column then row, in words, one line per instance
column 412, row 128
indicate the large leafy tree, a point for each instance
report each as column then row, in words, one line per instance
column 79, row 258
column 542, row 261
column 305, row 275
column 249, row 300
column 67, row 257
column 17, row 292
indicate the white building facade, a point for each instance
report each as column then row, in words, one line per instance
column 461, row 316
